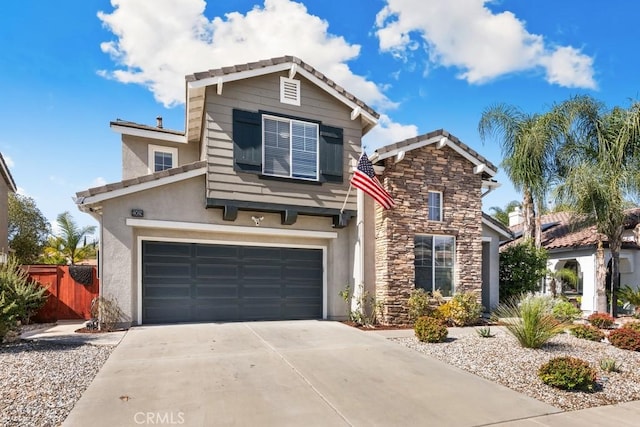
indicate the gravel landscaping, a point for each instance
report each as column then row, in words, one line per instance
column 501, row 359
column 41, row 381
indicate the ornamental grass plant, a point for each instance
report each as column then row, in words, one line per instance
column 530, row 320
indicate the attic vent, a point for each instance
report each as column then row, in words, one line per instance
column 289, row 91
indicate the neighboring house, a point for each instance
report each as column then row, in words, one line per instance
column 7, row 185
column 248, row 215
column 571, row 243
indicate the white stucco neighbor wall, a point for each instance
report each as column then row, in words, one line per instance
column 184, row 202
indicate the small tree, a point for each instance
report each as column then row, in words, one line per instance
column 65, row 247
column 28, row 229
column 522, row 266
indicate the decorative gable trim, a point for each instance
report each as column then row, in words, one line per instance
column 289, row 91
column 277, row 65
column 439, row 139
column 135, row 185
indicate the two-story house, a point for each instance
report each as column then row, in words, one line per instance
column 248, row 214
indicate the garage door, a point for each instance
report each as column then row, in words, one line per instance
column 193, row 282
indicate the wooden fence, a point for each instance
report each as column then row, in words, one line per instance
column 69, row 299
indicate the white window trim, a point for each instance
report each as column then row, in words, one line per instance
column 454, row 267
column 227, row 242
column 164, row 149
column 290, row 121
column 291, row 83
column 441, row 203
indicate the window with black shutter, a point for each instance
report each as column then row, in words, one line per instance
column 273, row 145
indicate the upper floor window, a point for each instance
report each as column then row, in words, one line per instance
column 434, row 206
column 161, row 158
column 283, row 146
column 434, row 263
column 290, row 148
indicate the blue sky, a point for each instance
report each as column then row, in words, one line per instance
column 68, row 68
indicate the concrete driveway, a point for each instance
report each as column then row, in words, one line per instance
column 311, row 373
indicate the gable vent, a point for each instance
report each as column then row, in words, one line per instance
column 289, row 91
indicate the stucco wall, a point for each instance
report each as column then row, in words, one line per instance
column 422, row 170
column 184, row 201
column 135, row 154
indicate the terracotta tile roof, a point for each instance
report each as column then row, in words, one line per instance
column 436, row 133
column 280, row 60
column 568, row 230
column 125, row 123
column 140, row 180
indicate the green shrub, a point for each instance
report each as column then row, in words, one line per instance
column 485, row 332
column 601, row 320
column 522, row 266
column 7, row 315
column 529, row 320
column 422, row 303
column 631, row 296
column 430, row 329
column 626, row 339
column 609, row 365
column 632, row 325
column 565, row 311
column 568, row 373
column 27, row 295
column 587, row 332
column 461, row 310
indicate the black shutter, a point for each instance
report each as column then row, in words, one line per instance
column 247, row 141
column 331, row 154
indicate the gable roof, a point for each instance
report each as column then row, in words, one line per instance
column 197, row 82
column 136, row 129
column 6, row 175
column 440, row 138
column 566, row 230
column 497, row 226
column 133, row 185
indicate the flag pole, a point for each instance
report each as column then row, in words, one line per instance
column 346, row 198
column 350, row 185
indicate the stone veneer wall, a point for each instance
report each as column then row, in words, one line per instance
column 422, row 170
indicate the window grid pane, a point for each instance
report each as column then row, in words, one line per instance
column 290, row 148
column 162, row 161
column 434, row 263
column 434, row 206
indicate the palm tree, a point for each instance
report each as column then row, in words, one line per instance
column 528, row 144
column 599, row 167
column 64, row 246
column 502, row 215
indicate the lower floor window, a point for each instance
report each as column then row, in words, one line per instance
column 434, row 263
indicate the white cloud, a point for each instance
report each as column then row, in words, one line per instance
column 98, row 182
column 158, row 43
column 483, row 45
column 386, row 132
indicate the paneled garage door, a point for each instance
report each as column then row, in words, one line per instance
column 194, row 282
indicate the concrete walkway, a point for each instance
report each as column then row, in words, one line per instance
column 310, row 373
column 65, row 332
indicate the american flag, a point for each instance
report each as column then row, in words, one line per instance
column 365, row 179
